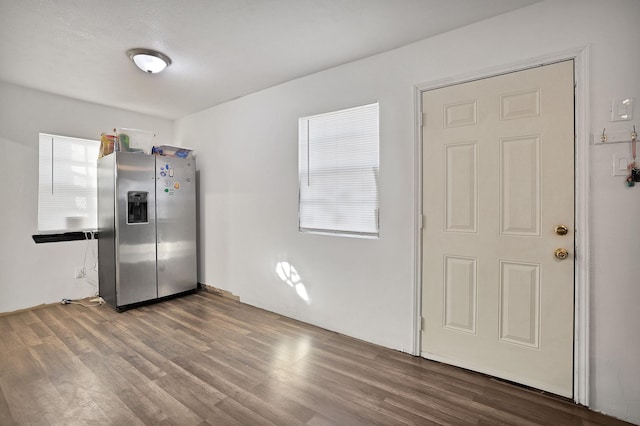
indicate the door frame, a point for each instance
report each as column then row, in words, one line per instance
column 580, row 56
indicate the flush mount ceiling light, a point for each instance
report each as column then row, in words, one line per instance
column 149, row 61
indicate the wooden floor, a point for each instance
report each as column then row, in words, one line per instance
column 207, row 360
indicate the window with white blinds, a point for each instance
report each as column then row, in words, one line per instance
column 338, row 172
column 67, row 197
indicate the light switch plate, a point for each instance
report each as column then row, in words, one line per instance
column 620, row 164
column 622, row 109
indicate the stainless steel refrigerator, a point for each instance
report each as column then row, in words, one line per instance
column 147, row 228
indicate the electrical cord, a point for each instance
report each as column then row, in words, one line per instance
column 89, row 236
column 97, row 301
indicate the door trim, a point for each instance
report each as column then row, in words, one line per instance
column 580, row 56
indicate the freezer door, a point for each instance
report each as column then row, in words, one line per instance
column 176, row 225
column 107, row 229
column 135, row 228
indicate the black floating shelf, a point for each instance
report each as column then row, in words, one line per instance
column 66, row 236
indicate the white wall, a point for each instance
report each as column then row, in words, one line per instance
column 247, row 156
column 32, row 274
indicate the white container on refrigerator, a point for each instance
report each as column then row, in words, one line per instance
column 147, row 228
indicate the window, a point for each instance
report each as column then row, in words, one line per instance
column 338, row 172
column 67, row 196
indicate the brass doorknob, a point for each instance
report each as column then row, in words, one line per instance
column 561, row 230
column 561, row 253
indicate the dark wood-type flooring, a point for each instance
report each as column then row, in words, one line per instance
column 208, row 360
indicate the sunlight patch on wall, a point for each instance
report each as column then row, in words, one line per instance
column 290, row 275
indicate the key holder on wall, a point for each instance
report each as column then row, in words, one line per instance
column 634, row 172
column 632, row 169
column 614, row 137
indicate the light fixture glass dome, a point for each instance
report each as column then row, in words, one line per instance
column 149, row 61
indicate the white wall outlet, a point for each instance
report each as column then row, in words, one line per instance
column 79, row 273
column 621, row 164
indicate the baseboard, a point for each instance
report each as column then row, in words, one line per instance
column 218, row 291
column 32, row 308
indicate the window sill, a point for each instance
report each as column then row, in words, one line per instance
column 362, row 235
column 66, row 236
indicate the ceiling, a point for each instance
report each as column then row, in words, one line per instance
column 221, row 49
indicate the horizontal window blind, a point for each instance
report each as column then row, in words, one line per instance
column 67, row 196
column 338, row 172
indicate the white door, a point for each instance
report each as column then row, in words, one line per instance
column 498, row 171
